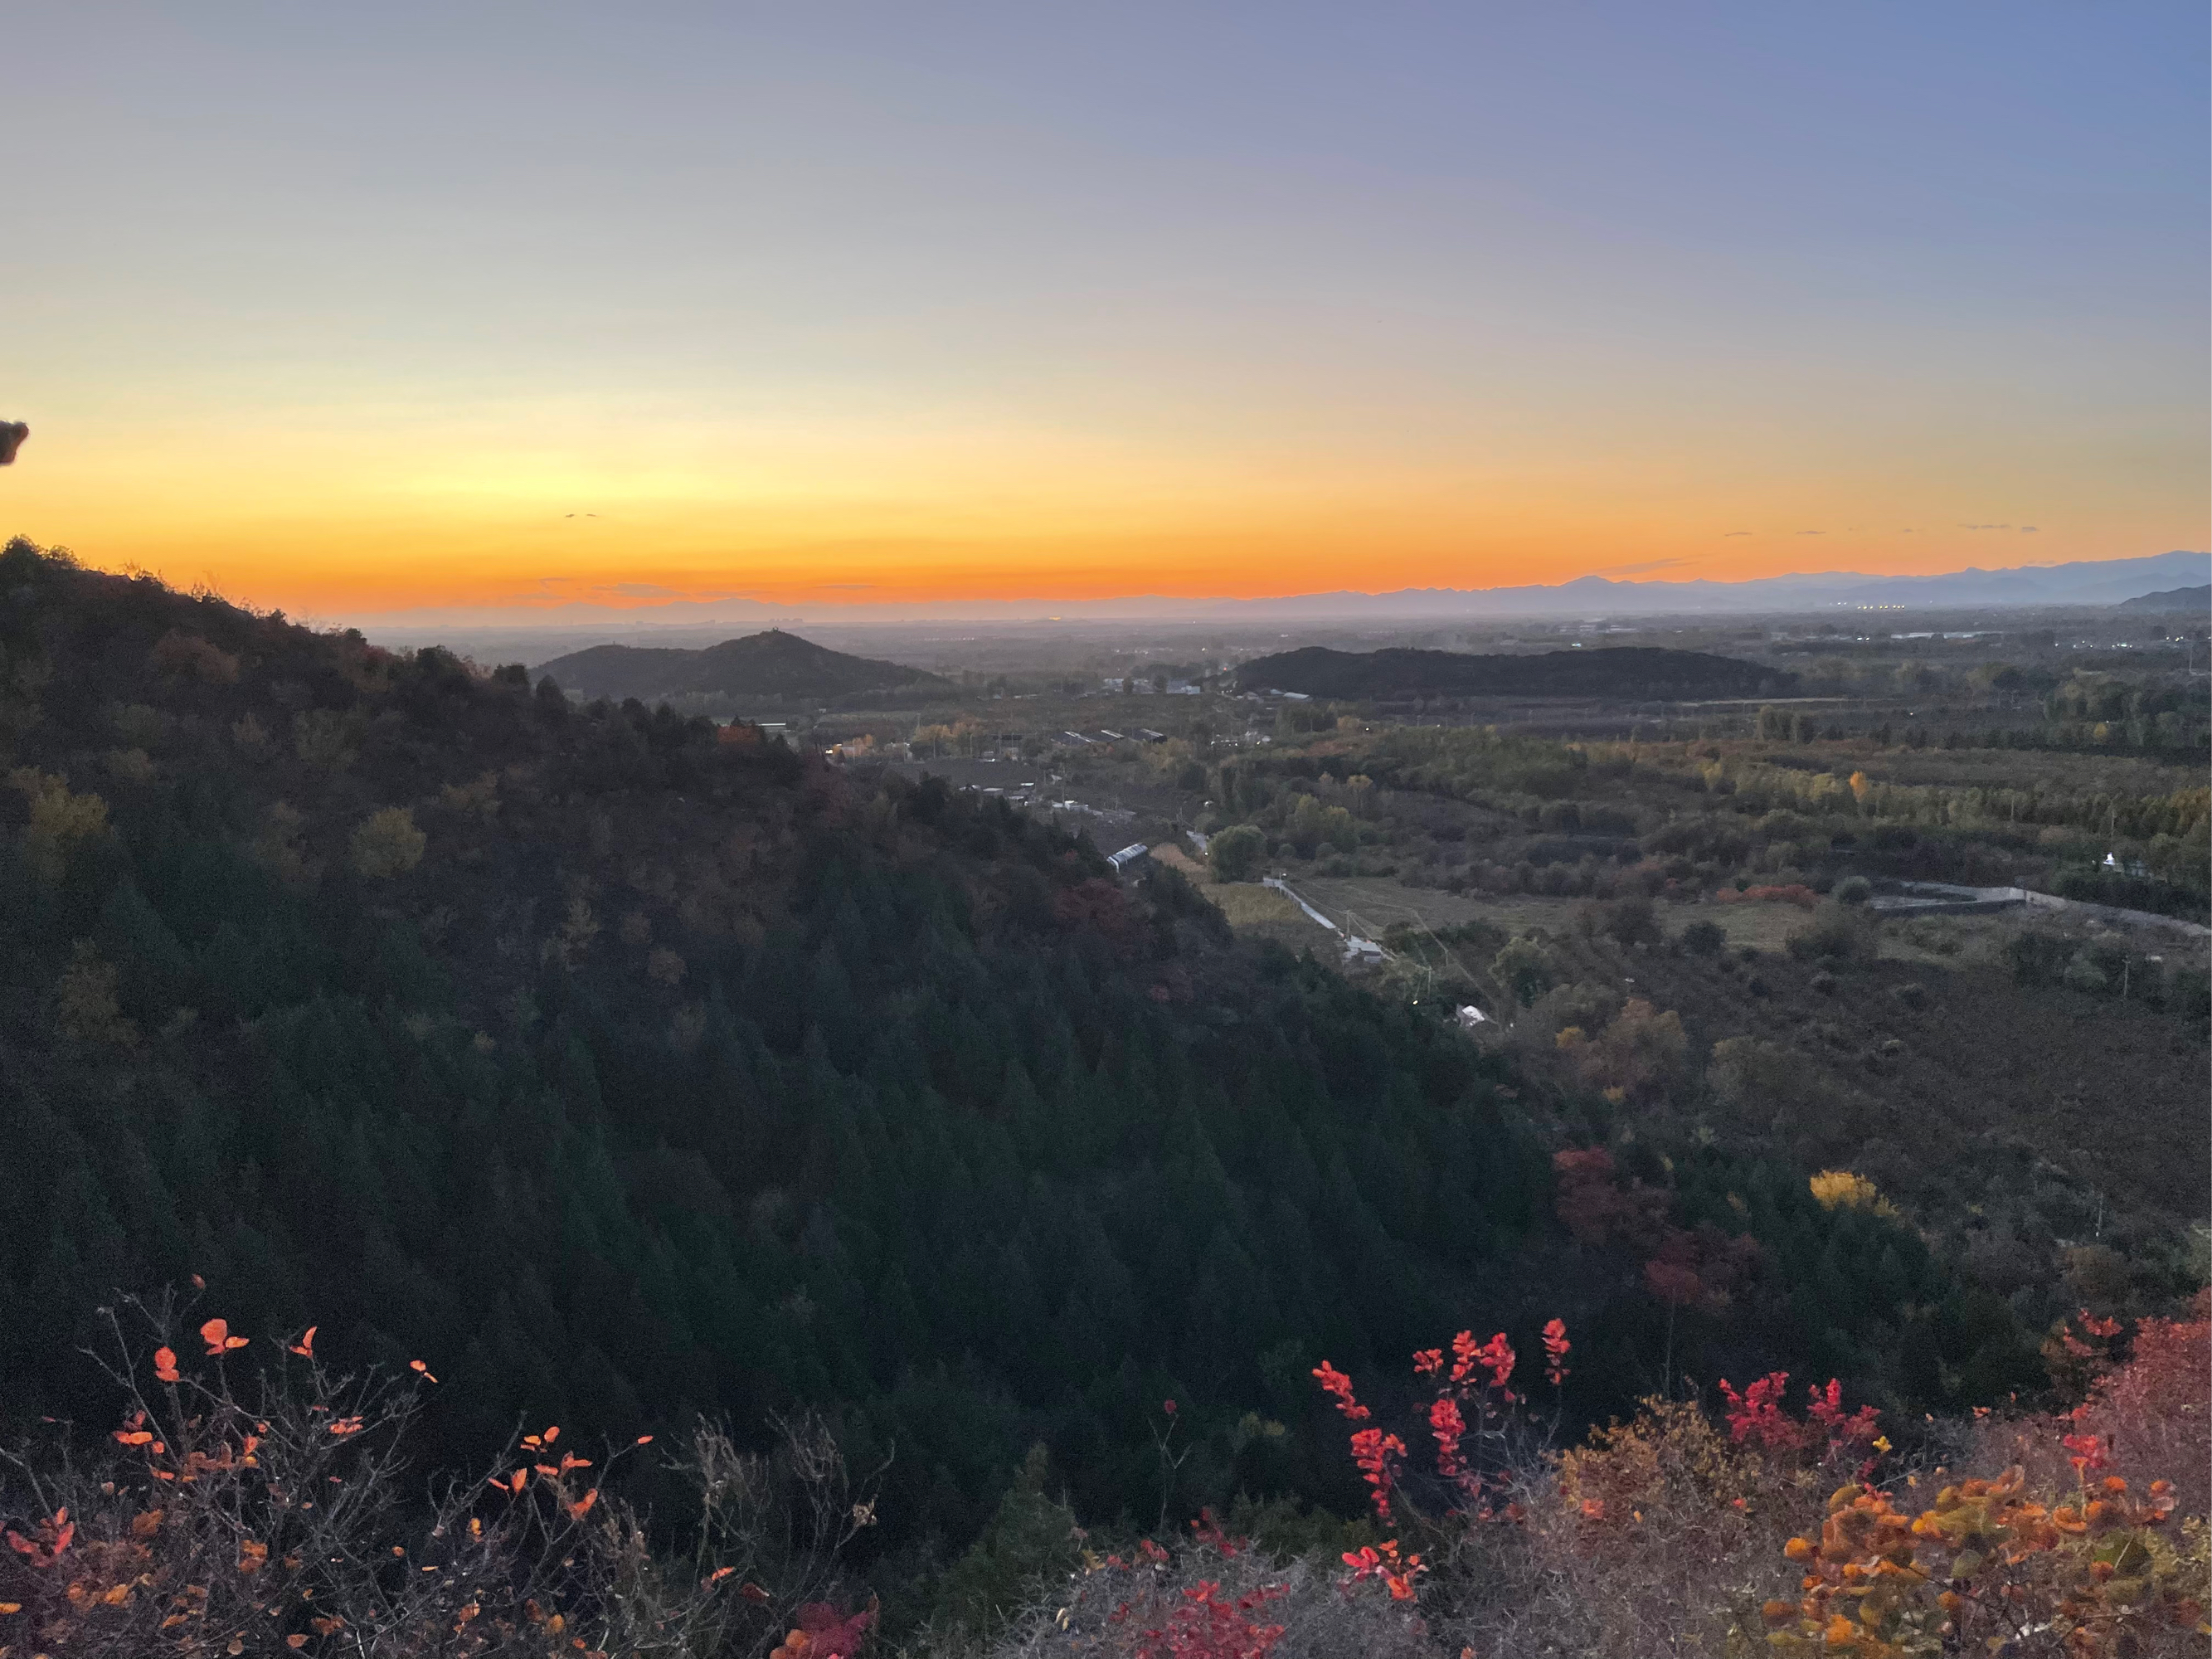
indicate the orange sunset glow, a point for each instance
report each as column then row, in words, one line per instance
column 690, row 309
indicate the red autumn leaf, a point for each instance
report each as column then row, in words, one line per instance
column 1556, row 1347
column 165, row 1365
column 217, row 1334
column 304, row 1347
column 417, row 1365
column 583, row 1506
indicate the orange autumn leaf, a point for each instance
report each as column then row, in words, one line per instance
column 217, row 1334
column 165, row 1365
column 583, row 1506
column 304, row 1347
column 417, row 1365
column 645, row 1440
column 346, row 1425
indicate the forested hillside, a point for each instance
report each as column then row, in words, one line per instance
column 626, row 1067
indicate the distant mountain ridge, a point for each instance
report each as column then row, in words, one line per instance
column 1624, row 672
column 773, row 664
column 2096, row 581
column 2084, row 582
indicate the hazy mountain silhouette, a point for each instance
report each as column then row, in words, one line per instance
column 770, row 664
column 2180, row 598
column 2098, row 581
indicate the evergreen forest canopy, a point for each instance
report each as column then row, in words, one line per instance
column 627, row 1067
column 773, row 664
column 1395, row 673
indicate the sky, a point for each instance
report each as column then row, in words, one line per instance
column 352, row 310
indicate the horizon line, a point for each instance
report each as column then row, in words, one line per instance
column 533, row 611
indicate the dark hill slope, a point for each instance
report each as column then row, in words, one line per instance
column 2179, row 598
column 772, row 666
column 1629, row 673
column 621, row 1069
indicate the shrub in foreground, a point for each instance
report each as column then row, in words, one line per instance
column 273, row 1516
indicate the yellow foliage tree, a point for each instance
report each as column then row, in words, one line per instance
column 387, row 843
column 1641, row 1051
column 1839, row 1189
column 60, row 820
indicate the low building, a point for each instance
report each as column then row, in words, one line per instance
column 1131, row 860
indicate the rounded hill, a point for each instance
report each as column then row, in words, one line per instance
column 771, row 665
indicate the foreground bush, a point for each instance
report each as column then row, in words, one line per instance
column 277, row 1515
column 1217, row 1597
column 1786, row 1521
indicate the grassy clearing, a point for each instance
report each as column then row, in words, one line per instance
column 1173, row 858
column 1378, row 902
column 1262, row 912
